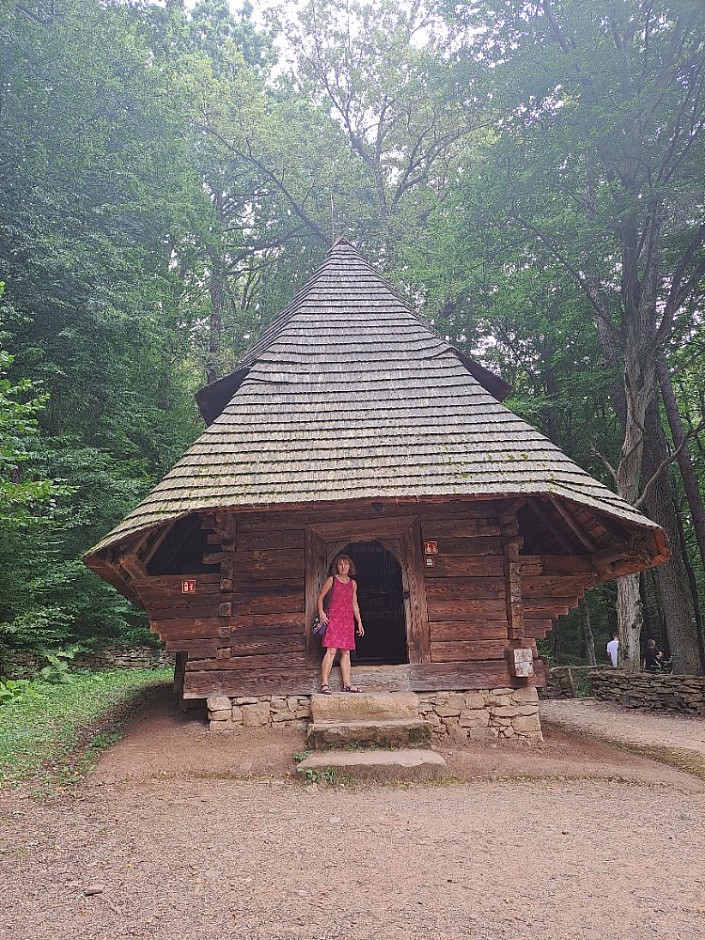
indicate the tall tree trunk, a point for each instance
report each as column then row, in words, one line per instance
column 629, row 620
column 685, row 464
column 672, row 576
column 639, row 383
column 692, row 581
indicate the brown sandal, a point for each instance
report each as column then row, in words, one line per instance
column 351, row 688
column 326, row 689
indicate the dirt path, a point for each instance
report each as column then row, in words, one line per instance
column 182, row 834
column 627, row 726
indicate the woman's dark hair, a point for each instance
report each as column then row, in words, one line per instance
column 334, row 564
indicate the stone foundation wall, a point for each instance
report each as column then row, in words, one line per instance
column 458, row 716
column 26, row 665
column 483, row 715
column 233, row 714
column 651, row 691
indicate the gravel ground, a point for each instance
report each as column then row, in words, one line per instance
column 182, row 834
column 627, row 725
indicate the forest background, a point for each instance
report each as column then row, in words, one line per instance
column 529, row 175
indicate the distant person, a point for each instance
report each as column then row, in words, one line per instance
column 613, row 650
column 653, row 660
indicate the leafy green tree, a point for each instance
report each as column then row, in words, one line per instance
column 600, row 154
column 97, row 192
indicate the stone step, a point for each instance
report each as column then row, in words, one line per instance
column 404, row 732
column 365, row 706
column 417, row 765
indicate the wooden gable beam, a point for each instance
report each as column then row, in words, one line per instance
column 577, row 531
column 547, row 522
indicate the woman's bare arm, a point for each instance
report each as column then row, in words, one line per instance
column 327, row 585
column 356, row 612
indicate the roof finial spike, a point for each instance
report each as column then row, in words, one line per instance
column 341, row 240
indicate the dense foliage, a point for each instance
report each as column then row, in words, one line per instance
column 528, row 172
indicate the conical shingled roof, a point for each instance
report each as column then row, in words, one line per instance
column 348, row 394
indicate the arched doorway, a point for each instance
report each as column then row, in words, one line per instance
column 381, row 597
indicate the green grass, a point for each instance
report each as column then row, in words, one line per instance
column 53, row 734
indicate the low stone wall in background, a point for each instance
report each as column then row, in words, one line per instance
column 457, row 716
column 560, row 683
column 650, row 690
column 26, row 665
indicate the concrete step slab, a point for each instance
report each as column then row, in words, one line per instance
column 405, row 732
column 407, row 765
column 365, row 706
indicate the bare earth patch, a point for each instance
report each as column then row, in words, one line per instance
column 179, row 833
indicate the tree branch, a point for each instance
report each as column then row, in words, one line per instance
column 664, row 463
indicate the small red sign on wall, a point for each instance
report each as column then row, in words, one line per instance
column 188, row 586
column 430, row 548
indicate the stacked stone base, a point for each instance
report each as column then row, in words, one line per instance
column 478, row 715
column 483, row 715
column 268, row 711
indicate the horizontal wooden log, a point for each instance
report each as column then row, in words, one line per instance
column 240, row 631
column 190, row 629
column 266, row 644
column 269, row 565
column 554, row 606
column 464, row 589
column 202, row 684
column 556, row 564
column 422, row 677
column 295, row 618
column 280, row 586
column 171, row 584
column 471, row 610
column 459, row 527
column 343, row 511
column 548, row 585
column 472, row 650
column 446, row 631
column 283, row 604
column 275, row 663
column 537, row 627
column 198, row 648
column 252, row 540
column 178, row 634
column 482, row 545
column 197, row 609
column 473, row 566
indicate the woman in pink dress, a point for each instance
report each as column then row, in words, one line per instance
column 342, row 616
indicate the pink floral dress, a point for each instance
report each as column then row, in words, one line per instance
column 341, row 620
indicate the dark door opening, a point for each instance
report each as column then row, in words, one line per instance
column 381, row 598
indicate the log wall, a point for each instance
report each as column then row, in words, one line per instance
column 244, row 629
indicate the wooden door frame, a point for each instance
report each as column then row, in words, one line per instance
column 400, row 535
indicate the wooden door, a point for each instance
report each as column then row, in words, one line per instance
column 402, row 537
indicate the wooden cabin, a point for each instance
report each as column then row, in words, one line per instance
column 352, row 425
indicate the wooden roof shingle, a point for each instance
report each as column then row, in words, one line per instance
column 348, row 394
